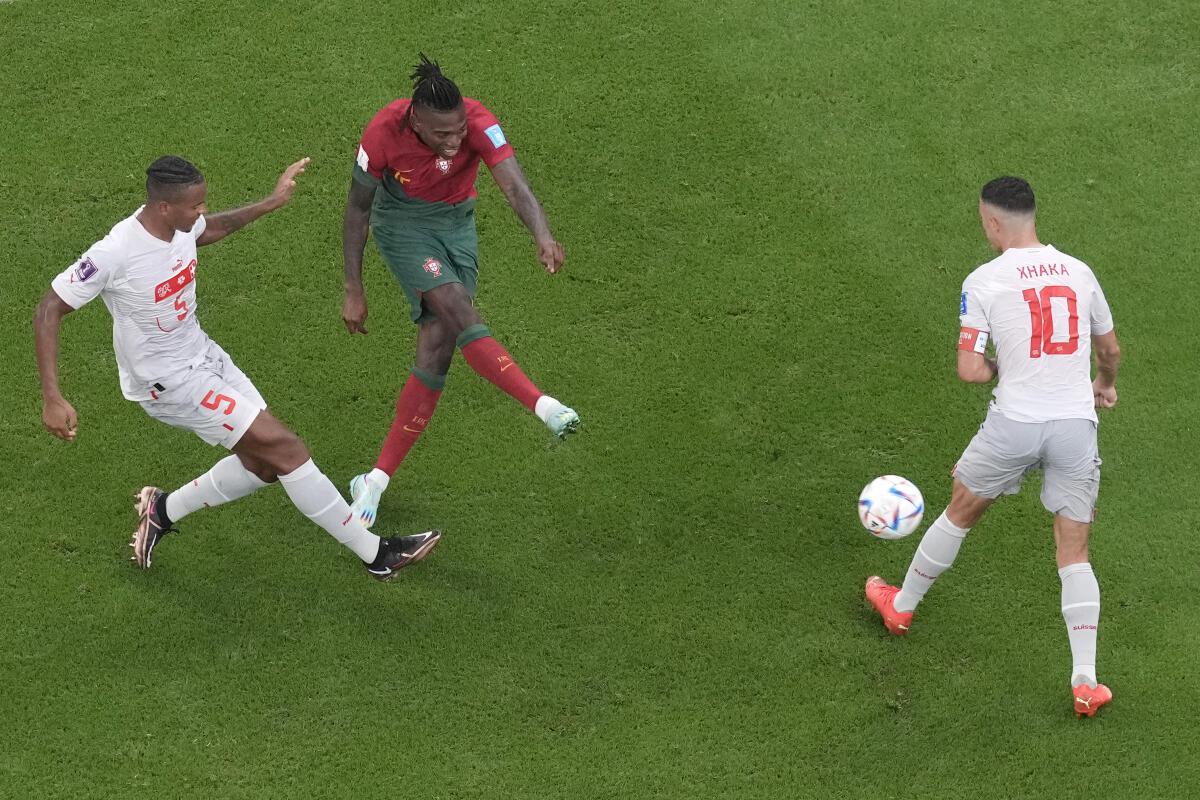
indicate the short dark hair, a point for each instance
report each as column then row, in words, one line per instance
column 1010, row 194
column 432, row 89
column 170, row 174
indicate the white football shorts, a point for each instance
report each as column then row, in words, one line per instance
column 214, row 400
column 1003, row 452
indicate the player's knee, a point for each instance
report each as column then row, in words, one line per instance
column 966, row 508
column 434, row 354
column 440, row 363
column 288, row 454
column 297, row 451
column 459, row 322
column 456, row 310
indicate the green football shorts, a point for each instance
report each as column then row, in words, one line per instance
column 426, row 245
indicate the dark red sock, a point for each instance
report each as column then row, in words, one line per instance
column 489, row 358
column 414, row 407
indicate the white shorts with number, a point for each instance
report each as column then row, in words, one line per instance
column 1004, row 451
column 214, row 400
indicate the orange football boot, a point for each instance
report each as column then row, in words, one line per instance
column 881, row 596
column 1089, row 700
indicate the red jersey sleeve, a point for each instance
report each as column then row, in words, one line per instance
column 371, row 158
column 485, row 135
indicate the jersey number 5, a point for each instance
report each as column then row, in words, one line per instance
column 1041, row 316
column 213, row 401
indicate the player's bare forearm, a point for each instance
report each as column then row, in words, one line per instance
column 1108, row 357
column 355, row 229
column 975, row 367
column 987, row 372
column 47, row 321
column 58, row 416
column 354, row 240
column 530, row 212
column 512, row 182
column 223, row 223
column 1106, row 369
column 515, row 186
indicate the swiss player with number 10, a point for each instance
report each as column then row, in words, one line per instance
column 1045, row 314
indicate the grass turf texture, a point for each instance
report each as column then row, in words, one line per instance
column 767, row 210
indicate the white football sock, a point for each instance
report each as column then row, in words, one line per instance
column 1081, row 612
column 934, row 555
column 379, row 478
column 545, row 406
column 319, row 500
column 227, row 480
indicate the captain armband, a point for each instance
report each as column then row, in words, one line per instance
column 972, row 340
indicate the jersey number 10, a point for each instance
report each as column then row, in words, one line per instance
column 1042, row 318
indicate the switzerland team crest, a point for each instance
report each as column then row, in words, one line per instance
column 433, row 267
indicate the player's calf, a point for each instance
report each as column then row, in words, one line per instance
column 273, row 446
column 491, row 361
column 228, row 480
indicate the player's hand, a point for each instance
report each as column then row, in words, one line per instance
column 59, row 418
column 354, row 312
column 286, row 184
column 550, row 253
column 1105, row 396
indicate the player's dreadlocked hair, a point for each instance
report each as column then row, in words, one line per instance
column 432, row 89
column 168, row 175
column 1009, row 193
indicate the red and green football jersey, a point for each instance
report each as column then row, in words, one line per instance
column 391, row 154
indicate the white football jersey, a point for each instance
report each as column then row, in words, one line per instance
column 149, row 287
column 1040, row 307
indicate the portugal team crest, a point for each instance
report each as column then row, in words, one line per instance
column 433, row 267
column 443, row 164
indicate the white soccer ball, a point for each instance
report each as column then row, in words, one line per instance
column 891, row 507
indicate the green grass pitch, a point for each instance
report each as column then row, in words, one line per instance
column 768, row 209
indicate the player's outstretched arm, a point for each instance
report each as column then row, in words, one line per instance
column 354, row 238
column 223, row 223
column 1108, row 358
column 57, row 414
column 512, row 181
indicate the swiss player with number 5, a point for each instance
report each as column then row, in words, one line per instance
column 145, row 269
column 1045, row 314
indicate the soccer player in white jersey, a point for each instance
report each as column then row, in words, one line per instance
column 1045, row 315
column 145, row 270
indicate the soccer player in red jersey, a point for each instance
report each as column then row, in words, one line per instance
column 414, row 186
